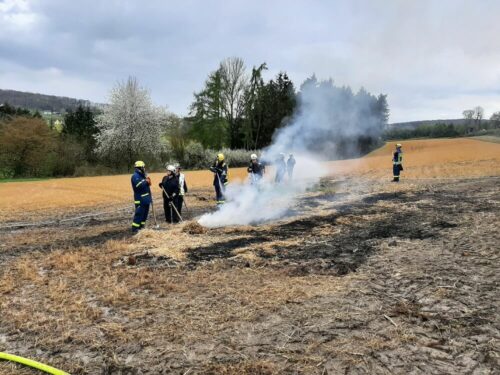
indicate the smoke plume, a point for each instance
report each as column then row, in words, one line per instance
column 329, row 123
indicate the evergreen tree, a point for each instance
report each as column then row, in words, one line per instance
column 81, row 125
column 208, row 125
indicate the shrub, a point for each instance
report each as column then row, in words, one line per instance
column 196, row 157
column 27, row 148
column 237, row 158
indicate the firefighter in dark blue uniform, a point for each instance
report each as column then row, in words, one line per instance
column 219, row 168
column 142, row 196
column 170, row 188
column 397, row 162
column 290, row 164
column 256, row 169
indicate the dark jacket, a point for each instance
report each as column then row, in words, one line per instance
column 140, row 186
column 219, row 168
column 397, row 158
column 171, row 186
column 290, row 163
column 257, row 169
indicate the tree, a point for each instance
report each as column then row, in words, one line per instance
column 335, row 122
column 478, row 116
column 176, row 132
column 27, row 147
column 8, row 111
column 81, row 125
column 130, row 127
column 278, row 102
column 234, row 82
column 468, row 116
column 495, row 119
column 208, row 125
column 254, row 107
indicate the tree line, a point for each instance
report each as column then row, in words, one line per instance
column 235, row 111
column 473, row 123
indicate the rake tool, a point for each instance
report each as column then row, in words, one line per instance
column 172, row 205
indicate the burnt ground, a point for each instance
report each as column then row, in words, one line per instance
column 365, row 279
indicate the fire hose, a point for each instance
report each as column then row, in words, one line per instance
column 34, row 364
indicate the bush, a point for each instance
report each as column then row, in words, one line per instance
column 27, row 148
column 196, row 157
column 236, row 158
column 69, row 155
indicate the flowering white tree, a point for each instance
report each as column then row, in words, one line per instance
column 130, row 126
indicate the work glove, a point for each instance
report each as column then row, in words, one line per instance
column 160, row 185
column 148, row 181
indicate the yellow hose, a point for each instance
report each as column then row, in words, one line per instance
column 30, row 363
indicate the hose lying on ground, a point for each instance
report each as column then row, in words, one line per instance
column 31, row 363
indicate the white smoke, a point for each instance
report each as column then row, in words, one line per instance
column 323, row 118
column 252, row 204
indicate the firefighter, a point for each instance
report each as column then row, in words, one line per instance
column 169, row 186
column 290, row 164
column 397, row 162
column 219, row 168
column 183, row 189
column 256, row 169
column 280, row 168
column 142, row 195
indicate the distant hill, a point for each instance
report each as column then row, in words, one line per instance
column 43, row 102
column 410, row 125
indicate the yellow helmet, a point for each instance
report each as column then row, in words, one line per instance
column 399, row 145
column 220, row 157
column 139, row 164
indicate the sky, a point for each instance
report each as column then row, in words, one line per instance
column 432, row 58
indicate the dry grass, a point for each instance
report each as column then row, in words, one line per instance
column 81, row 299
column 89, row 309
column 75, row 194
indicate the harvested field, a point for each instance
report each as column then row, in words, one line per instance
column 367, row 277
column 440, row 158
column 435, row 158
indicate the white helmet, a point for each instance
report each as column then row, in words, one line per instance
column 282, row 155
column 253, row 156
column 171, row 168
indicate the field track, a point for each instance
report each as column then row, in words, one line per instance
column 443, row 158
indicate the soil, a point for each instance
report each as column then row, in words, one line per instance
column 365, row 278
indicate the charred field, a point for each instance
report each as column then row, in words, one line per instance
column 365, row 277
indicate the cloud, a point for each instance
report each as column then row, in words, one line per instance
column 428, row 56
